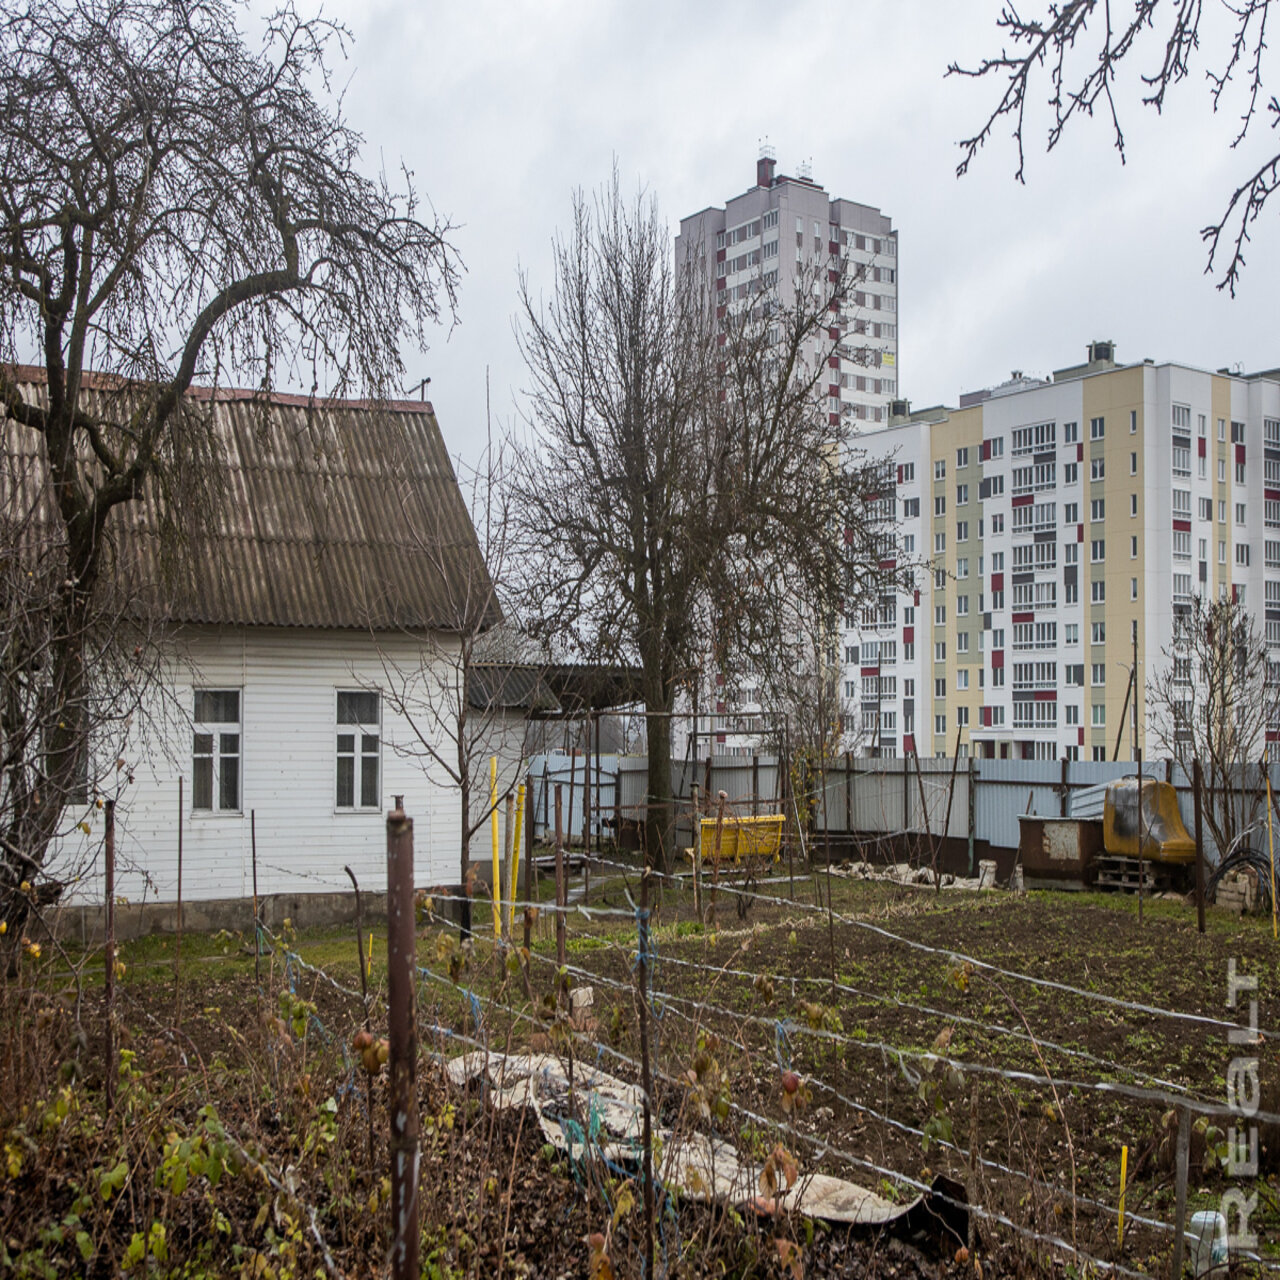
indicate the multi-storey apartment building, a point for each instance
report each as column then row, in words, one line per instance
column 1050, row 517
column 785, row 229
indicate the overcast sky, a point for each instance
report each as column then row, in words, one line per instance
column 503, row 109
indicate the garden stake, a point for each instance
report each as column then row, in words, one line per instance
column 403, row 1046
column 515, row 863
column 257, row 932
column 364, row 999
column 1124, row 1170
column 560, row 901
column 715, row 866
column 493, row 831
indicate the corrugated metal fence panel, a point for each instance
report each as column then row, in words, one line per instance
column 1007, row 788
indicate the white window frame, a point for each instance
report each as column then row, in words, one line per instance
column 219, row 753
column 358, row 753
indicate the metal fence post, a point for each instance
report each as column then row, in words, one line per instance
column 109, row 928
column 403, row 1045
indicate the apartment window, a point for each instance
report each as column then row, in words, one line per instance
column 1222, row 471
column 1035, row 439
column 1182, row 416
column 1070, row 433
column 1098, row 509
column 215, row 750
column 962, row 457
column 359, row 741
column 940, row 579
column 1098, row 468
column 1070, row 513
column 939, row 543
column 962, row 642
column 997, row 562
column 908, row 615
column 1071, row 633
column 1222, row 429
column 1222, row 511
column 908, row 544
column 908, row 472
column 1239, row 473
column 995, row 447
column 1100, row 717
column 1071, row 593
column 962, row 567
column 962, row 494
column 940, row 725
column 1098, row 674
column 1070, row 472
column 1073, row 752
column 1133, row 422
column 1133, row 464
column 1133, row 545
column 1097, row 551
column 1100, row 755
column 1098, row 634
column 1239, row 513
column 962, row 531
column 1133, row 504
column 962, row 606
column 911, row 508
column 1070, row 553
column 940, row 469
column 940, row 688
column 940, row 651
column 997, row 523
column 1222, row 552
column 1242, row 554
column 995, row 486
column 940, row 615
column 1098, row 591
column 1237, row 433
column 1072, row 713
column 908, row 651
column 962, row 678
column 997, row 678
column 1097, row 428
column 1133, row 588
column 1206, row 508
column 962, row 717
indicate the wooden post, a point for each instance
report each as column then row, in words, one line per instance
column 1183, row 1153
column 110, row 1067
column 755, row 783
column 973, row 809
column 1197, row 782
column 403, row 1100
column 560, row 894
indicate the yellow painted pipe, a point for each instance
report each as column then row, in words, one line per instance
column 493, row 827
column 514, row 892
column 1124, row 1173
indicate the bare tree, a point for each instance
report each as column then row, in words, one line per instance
column 455, row 697
column 174, row 206
column 1214, row 699
column 686, row 486
column 1079, row 48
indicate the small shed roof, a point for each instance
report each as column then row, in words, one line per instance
column 329, row 513
column 551, row 690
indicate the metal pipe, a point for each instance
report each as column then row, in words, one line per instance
column 403, row 1045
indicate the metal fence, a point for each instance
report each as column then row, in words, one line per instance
column 985, row 797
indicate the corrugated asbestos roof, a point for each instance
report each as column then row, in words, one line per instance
column 329, row 514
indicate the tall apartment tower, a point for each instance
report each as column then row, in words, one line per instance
column 764, row 238
column 1051, row 517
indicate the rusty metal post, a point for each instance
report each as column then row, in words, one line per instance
column 560, row 894
column 755, row 783
column 404, row 1050
column 177, row 952
column 109, row 926
column 1197, row 783
column 646, row 1078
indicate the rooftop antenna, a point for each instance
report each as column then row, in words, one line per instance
column 767, row 151
column 806, row 169
column 420, row 388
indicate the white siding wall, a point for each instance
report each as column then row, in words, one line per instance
column 288, row 678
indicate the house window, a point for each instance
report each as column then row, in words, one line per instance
column 1097, row 428
column 215, row 751
column 359, row 742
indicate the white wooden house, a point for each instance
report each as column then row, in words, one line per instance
column 340, row 549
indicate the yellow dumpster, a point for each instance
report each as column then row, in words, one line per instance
column 755, row 838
